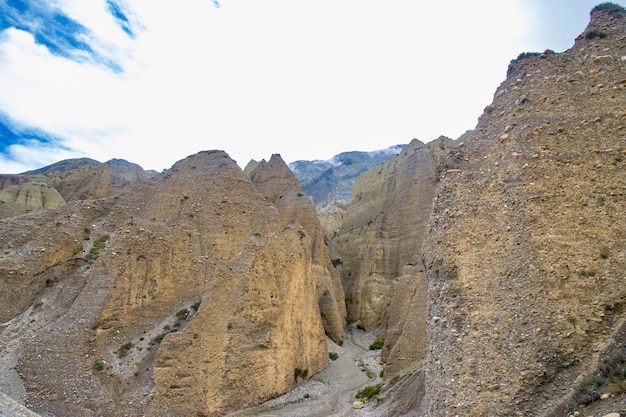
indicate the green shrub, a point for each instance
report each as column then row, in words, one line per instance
column 572, row 319
column 157, row 339
column 124, row 349
column 182, row 314
column 611, row 371
column 333, row 356
column 377, row 344
column 381, row 373
column 592, row 34
column 369, row 391
column 98, row 365
column 588, row 272
column 98, row 245
column 610, row 7
column 195, row 306
column 604, row 254
column 300, row 373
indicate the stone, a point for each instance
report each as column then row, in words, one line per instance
column 603, row 59
column 358, row 405
column 605, row 396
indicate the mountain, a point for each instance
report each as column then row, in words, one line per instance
column 329, row 182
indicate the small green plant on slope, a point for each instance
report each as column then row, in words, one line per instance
column 611, row 372
column 124, row 349
column 588, row 272
column 300, row 373
column 333, row 356
column 572, row 319
column 369, row 391
column 377, row 344
column 98, row 365
column 98, row 245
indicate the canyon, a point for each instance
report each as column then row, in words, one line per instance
column 490, row 268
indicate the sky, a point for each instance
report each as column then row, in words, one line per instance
column 154, row 81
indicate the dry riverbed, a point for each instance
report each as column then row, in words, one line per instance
column 330, row 393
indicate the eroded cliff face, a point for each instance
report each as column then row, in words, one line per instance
column 525, row 253
column 190, row 295
column 277, row 183
column 379, row 247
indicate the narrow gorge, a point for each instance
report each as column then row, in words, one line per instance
column 489, row 269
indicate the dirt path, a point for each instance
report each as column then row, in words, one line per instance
column 329, row 393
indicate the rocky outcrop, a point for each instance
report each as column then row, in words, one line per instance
column 278, row 185
column 382, row 230
column 28, row 196
column 525, row 253
column 65, row 181
column 189, row 295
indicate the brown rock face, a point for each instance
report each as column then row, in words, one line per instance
column 525, row 254
column 384, row 225
column 190, row 295
column 278, row 184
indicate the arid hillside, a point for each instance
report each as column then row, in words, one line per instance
column 66, row 181
column 525, row 251
column 189, row 294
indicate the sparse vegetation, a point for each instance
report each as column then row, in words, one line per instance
column 588, row 272
column 98, row 365
column 572, row 319
column 610, row 7
column 592, row 34
column 124, row 349
column 195, row 306
column 86, row 233
column 333, row 356
column 377, row 345
column 369, row 391
column 182, row 314
column 381, row 373
column 300, row 373
column 158, row 339
column 604, row 254
column 98, row 245
column 611, row 372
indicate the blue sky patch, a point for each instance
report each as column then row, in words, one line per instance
column 120, row 17
column 62, row 35
column 11, row 135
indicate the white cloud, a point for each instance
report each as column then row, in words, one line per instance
column 306, row 79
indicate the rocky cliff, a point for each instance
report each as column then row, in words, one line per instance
column 191, row 294
column 525, row 250
column 279, row 186
column 379, row 244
